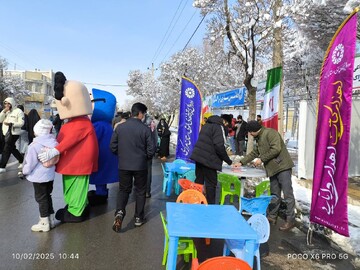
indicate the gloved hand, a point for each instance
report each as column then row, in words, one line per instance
column 48, row 154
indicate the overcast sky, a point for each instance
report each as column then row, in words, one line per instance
column 96, row 41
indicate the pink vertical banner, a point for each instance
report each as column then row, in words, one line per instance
column 330, row 181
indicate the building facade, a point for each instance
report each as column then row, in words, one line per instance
column 40, row 84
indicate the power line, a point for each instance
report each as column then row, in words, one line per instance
column 15, row 64
column 167, row 30
column 171, row 29
column 14, row 52
column 179, row 35
column 194, row 31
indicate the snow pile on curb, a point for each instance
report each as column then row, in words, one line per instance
column 349, row 244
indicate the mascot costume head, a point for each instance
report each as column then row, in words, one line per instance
column 71, row 97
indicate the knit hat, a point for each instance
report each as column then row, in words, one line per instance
column 43, row 127
column 253, row 126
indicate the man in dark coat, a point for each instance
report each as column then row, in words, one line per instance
column 209, row 153
column 133, row 143
column 240, row 136
column 271, row 151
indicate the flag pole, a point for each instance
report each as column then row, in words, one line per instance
column 281, row 107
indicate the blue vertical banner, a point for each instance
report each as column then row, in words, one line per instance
column 189, row 119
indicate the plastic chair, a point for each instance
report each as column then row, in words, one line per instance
column 176, row 186
column 224, row 263
column 191, row 196
column 195, row 197
column 190, row 175
column 256, row 205
column 263, row 188
column 186, row 246
column 166, row 177
column 262, row 227
column 230, row 185
column 179, row 160
column 186, row 184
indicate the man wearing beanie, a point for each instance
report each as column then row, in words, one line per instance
column 209, row 153
column 270, row 150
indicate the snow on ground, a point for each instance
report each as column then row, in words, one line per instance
column 351, row 244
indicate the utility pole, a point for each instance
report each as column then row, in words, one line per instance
column 278, row 61
column 152, row 71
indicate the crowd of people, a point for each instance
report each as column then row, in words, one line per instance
column 104, row 149
column 66, row 144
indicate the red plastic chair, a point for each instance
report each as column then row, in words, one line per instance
column 187, row 184
column 191, row 196
column 224, row 263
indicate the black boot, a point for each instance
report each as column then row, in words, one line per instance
column 60, row 214
column 70, row 218
column 95, row 199
column 66, row 217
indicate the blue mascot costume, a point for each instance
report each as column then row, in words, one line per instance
column 104, row 109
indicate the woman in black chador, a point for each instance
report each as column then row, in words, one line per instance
column 164, row 135
column 33, row 118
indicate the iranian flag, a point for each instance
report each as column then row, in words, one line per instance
column 271, row 99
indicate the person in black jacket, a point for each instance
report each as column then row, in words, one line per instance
column 23, row 141
column 33, row 117
column 57, row 122
column 240, row 136
column 209, row 153
column 164, row 134
column 133, row 143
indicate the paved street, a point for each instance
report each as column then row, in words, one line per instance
column 93, row 245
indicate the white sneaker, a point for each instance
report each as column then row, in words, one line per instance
column 2, row 170
column 20, row 166
column 42, row 226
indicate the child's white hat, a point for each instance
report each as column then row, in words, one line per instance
column 43, row 127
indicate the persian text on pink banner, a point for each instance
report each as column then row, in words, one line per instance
column 329, row 195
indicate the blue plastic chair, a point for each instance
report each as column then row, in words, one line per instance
column 262, row 227
column 190, row 175
column 256, row 205
column 166, row 177
column 179, row 160
column 176, row 177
